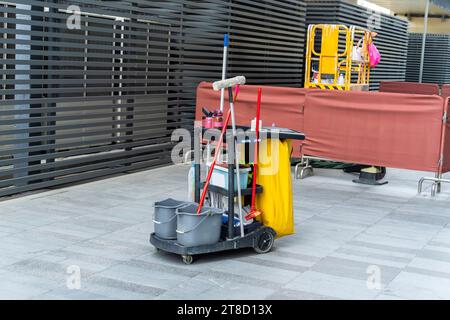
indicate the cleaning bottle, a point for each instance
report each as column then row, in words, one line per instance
column 191, row 184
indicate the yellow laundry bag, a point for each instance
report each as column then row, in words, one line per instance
column 274, row 175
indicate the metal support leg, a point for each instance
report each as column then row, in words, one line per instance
column 303, row 169
column 197, row 162
column 297, row 169
column 230, row 201
column 433, row 189
column 436, row 187
column 424, row 41
column 197, row 182
column 439, row 184
column 420, row 186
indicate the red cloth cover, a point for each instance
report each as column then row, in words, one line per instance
column 446, row 91
column 409, row 87
column 383, row 129
column 281, row 106
column 446, row 139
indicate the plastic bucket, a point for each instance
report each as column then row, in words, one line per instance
column 165, row 218
column 202, row 229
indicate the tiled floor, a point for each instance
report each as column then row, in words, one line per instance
column 352, row 242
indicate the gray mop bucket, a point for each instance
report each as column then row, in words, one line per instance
column 165, row 218
column 198, row 230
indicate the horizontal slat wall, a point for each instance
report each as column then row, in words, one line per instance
column 392, row 39
column 268, row 52
column 442, row 3
column 437, row 58
column 102, row 99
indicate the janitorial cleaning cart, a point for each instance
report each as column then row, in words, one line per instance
column 241, row 211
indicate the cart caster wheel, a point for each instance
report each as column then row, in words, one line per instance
column 306, row 172
column 265, row 243
column 188, row 259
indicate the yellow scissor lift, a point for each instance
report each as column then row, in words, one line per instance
column 338, row 68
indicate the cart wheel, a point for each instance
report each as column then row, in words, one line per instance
column 188, row 259
column 306, row 172
column 264, row 243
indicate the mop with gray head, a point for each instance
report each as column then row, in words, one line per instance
column 228, row 83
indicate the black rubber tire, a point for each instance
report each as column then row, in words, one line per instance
column 265, row 242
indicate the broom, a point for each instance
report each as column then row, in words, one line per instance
column 253, row 211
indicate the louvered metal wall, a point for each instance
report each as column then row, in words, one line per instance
column 83, row 103
column 392, row 39
column 437, row 58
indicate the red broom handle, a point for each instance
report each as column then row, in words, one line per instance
column 211, row 169
column 213, row 165
column 255, row 162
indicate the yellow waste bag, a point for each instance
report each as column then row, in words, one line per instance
column 274, row 175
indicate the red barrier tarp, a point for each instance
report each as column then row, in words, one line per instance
column 446, row 91
column 383, row 129
column 446, row 140
column 409, row 87
column 281, row 106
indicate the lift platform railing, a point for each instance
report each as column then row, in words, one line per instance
column 340, row 64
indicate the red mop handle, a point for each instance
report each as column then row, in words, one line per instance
column 255, row 162
column 213, row 165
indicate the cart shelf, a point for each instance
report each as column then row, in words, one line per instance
column 268, row 133
column 224, row 192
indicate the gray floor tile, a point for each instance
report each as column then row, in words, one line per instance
column 434, row 220
column 286, row 294
column 332, row 286
column 353, row 269
column 67, row 294
column 341, row 229
column 139, row 276
column 410, row 285
column 120, row 289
